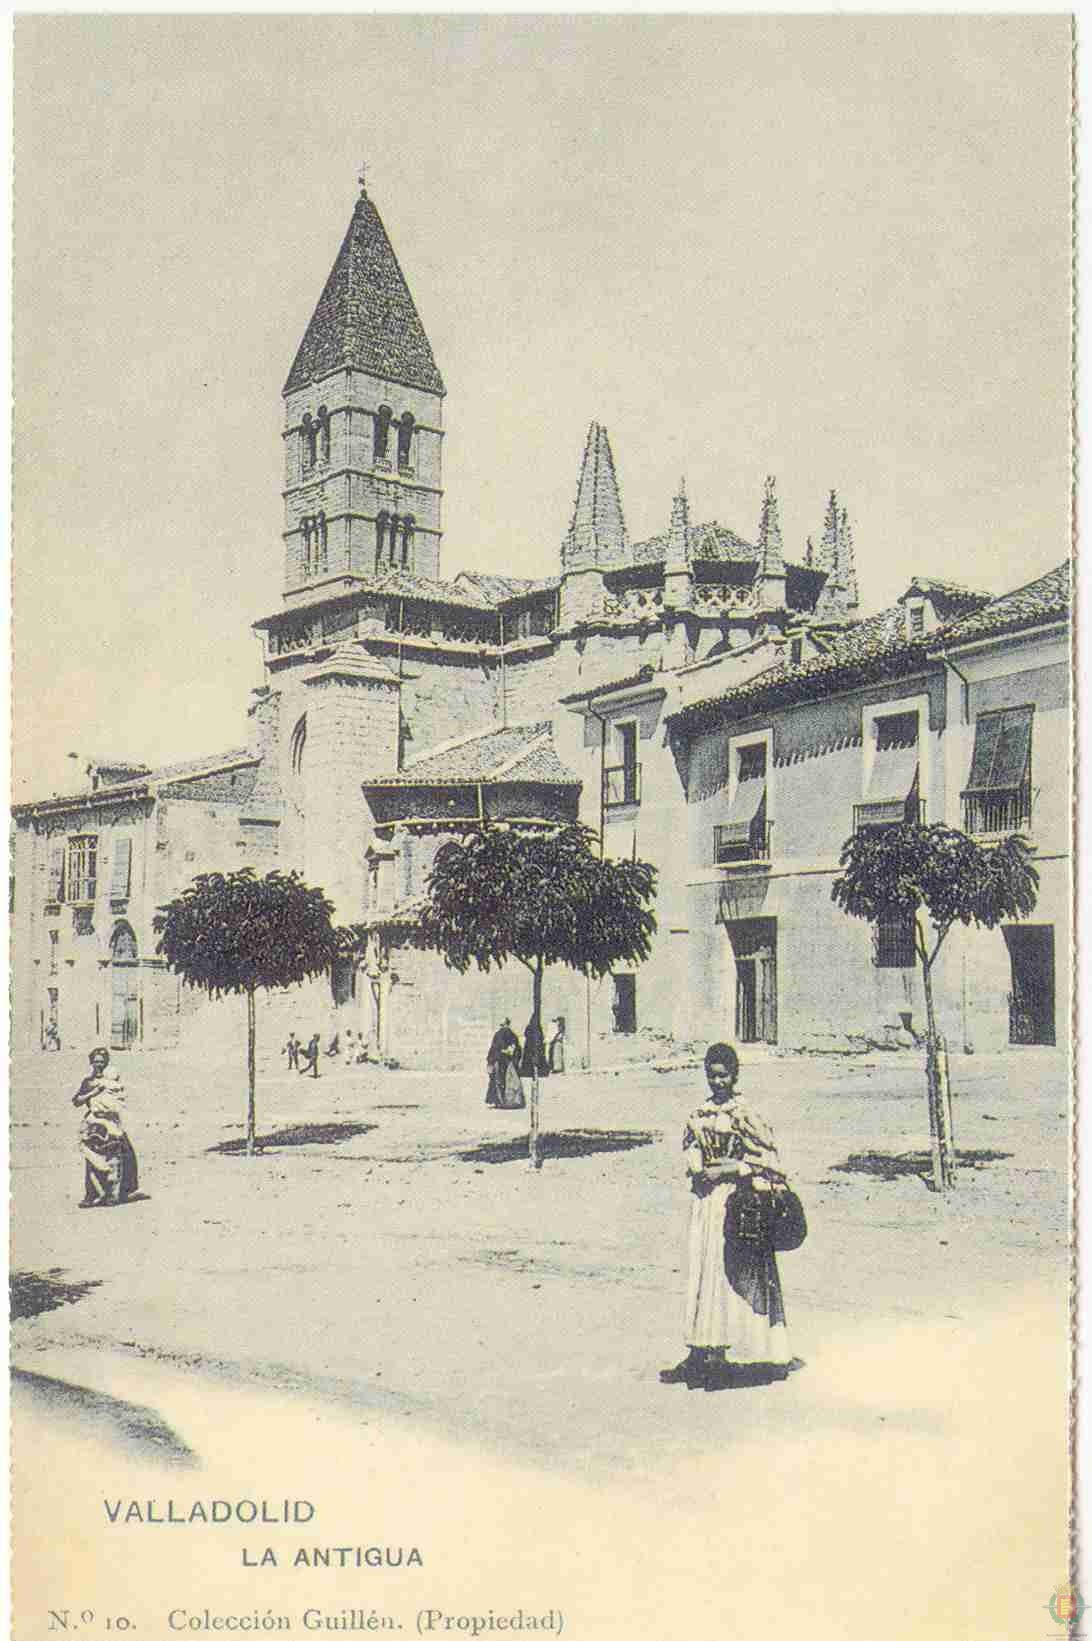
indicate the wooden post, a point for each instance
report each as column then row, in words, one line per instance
column 250, row 1123
column 944, row 1113
column 534, row 1154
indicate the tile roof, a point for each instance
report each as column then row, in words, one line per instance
column 947, row 597
column 366, row 316
column 1044, row 599
column 876, row 644
column 499, row 589
column 709, row 542
column 429, row 591
column 191, row 769
column 523, row 752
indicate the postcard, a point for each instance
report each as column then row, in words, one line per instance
column 541, row 835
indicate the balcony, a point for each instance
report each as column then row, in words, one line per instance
column 621, row 785
column 877, row 817
column 986, row 813
column 731, row 851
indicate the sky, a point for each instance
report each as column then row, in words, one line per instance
column 834, row 249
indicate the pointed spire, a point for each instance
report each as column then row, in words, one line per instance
column 847, row 568
column 828, row 547
column 598, row 529
column 771, row 550
column 838, row 595
column 679, row 532
column 366, row 316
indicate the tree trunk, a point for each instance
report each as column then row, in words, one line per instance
column 939, row 1132
column 250, row 1073
column 534, row 1155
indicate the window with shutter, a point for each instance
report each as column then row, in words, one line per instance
column 119, row 882
column 55, row 890
column 81, row 877
column 997, row 797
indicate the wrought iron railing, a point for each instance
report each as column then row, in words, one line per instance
column 874, row 817
column 727, row 850
column 985, row 812
column 621, row 784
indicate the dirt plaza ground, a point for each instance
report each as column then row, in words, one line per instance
column 388, row 1264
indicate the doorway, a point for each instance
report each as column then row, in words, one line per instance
column 124, row 991
column 754, row 948
column 624, row 1005
column 1031, row 1000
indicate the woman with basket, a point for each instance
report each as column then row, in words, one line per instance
column 742, row 1211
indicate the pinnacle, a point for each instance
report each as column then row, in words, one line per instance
column 598, row 527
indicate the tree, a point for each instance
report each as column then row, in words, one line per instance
column 943, row 874
column 241, row 933
column 542, row 897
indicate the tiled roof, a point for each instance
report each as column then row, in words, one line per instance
column 500, row 589
column 948, row 598
column 878, row 643
column 1042, row 600
column 192, row 769
column 709, row 542
column 523, row 752
column 431, row 592
column 643, row 675
column 366, row 316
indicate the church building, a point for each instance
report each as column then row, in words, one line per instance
column 403, row 704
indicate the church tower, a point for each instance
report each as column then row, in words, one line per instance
column 363, row 424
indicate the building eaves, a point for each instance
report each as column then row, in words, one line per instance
column 146, row 786
column 1045, row 599
column 873, row 649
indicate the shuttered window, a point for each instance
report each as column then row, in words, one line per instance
column 119, row 882
column 55, row 890
column 892, row 788
column 997, row 797
column 81, row 877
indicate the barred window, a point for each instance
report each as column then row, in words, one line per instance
column 893, row 942
column 899, row 729
column 752, row 762
column 82, row 875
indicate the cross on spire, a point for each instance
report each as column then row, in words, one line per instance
column 362, row 176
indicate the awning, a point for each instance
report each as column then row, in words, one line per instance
column 748, row 801
column 894, row 777
column 1002, row 748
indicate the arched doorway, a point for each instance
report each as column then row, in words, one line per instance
column 124, row 992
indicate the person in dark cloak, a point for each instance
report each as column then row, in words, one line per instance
column 504, row 1089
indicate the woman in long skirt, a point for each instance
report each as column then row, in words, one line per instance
column 110, row 1165
column 735, row 1315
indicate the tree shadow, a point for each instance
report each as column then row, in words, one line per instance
column 30, row 1293
column 571, row 1142
column 910, row 1164
column 304, row 1133
column 137, row 1428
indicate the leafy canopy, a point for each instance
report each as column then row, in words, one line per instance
column 237, row 932
column 537, row 896
column 935, row 867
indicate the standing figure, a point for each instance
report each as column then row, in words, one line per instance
column 348, row 1047
column 504, row 1090
column 556, row 1051
column 292, row 1049
column 534, row 1062
column 52, row 1039
column 735, row 1316
column 309, row 1057
column 110, row 1165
